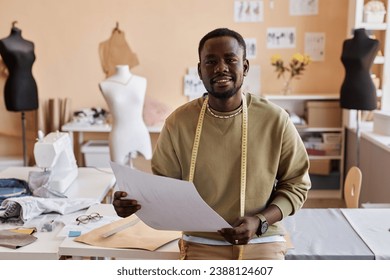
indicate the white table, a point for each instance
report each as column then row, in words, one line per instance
column 80, row 128
column 44, row 248
column 315, row 234
column 373, row 227
column 90, row 183
column 324, row 234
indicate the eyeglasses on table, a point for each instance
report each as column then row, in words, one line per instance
column 85, row 219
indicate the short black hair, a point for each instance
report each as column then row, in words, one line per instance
column 220, row 32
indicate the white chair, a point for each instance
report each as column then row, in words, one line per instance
column 352, row 186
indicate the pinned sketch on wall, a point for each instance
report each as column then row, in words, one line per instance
column 193, row 86
column 252, row 80
column 281, row 38
column 271, row 4
column 303, row 7
column 251, row 47
column 315, row 45
column 249, row 11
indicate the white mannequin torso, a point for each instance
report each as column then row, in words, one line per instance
column 125, row 94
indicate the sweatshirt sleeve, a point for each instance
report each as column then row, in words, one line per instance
column 165, row 161
column 293, row 181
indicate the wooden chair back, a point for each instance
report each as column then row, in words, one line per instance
column 352, row 186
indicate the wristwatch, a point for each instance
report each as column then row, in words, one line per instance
column 263, row 226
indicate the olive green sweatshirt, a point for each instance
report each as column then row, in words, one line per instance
column 277, row 162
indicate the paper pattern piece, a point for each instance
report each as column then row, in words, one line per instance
column 166, row 203
column 120, row 228
column 137, row 236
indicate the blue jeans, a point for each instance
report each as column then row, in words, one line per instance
column 13, row 188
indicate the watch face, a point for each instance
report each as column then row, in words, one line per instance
column 264, row 227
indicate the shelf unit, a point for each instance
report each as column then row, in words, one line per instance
column 381, row 65
column 323, row 186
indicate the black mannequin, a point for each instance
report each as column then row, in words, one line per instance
column 20, row 90
column 358, row 90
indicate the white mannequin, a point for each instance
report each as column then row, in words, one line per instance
column 125, row 94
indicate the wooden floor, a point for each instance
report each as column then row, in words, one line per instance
column 324, row 203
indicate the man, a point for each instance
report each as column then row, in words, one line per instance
column 243, row 154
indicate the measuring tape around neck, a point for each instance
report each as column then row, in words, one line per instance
column 244, row 141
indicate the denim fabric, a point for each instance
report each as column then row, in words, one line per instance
column 13, row 188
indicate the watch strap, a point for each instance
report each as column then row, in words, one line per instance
column 263, row 221
column 261, row 217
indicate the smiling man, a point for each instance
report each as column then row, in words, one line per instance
column 242, row 153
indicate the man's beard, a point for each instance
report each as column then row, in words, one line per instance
column 226, row 94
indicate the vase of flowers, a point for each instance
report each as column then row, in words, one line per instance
column 295, row 68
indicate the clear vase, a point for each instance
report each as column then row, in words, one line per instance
column 286, row 89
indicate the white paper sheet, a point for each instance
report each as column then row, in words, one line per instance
column 167, row 204
column 373, row 227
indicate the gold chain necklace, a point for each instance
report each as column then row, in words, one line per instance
column 223, row 116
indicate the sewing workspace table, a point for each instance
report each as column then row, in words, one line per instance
column 325, row 234
column 78, row 250
column 316, row 234
column 90, row 183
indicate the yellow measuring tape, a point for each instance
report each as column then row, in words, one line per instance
column 244, row 141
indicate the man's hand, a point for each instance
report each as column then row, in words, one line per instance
column 124, row 207
column 243, row 230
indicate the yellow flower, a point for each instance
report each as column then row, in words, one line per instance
column 275, row 58
column 296, row 65
column 298, row 57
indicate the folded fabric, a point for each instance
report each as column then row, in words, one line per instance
column 15, row 240
column 12, row 187
column 22, row 209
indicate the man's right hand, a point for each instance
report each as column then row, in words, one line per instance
column 124, row 207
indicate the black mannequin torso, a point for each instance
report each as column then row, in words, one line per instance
column 358, row 54
column 20, row 90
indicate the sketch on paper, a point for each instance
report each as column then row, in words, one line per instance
column 315, row 45
column 303, row 7
column 249, row 11
column 251, row 47
column 252, row 80
column 193, row 85
column 281, row 38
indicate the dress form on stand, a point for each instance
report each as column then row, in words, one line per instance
column 20, row 90
column 358, row 91
column 124, row 93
